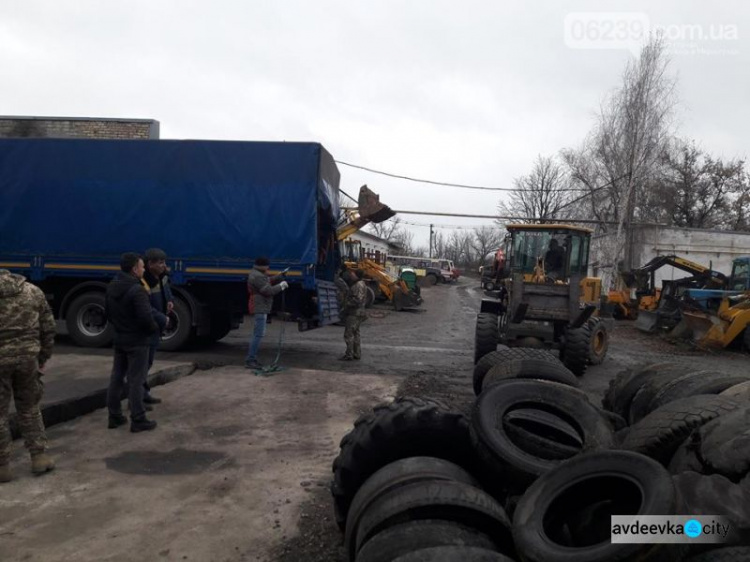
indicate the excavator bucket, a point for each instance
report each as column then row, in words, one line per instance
column 370, row 208
column 705, row 328
column 647, row 321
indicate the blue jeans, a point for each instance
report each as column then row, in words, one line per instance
column 259, row 330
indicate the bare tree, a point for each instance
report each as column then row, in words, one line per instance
column 405, row 240
column 387, row 230
column 621, row 155
column 542, row 195
column 438, row 245
column 486, row 239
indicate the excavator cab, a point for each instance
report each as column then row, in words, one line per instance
column 740, row 278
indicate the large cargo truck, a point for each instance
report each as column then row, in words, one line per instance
column 69, row 208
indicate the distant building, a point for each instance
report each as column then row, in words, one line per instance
column 373, row 245
column 78, row 128
column 712, row 248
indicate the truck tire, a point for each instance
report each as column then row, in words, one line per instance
column 630, row 483
column 447, row 500
column 86, row 321
column 417, row 535
column 515, row 466
column 529, row 369
column 713, row 383
column 393, row 476
column 660, row 433
column 644, row 400
column 722, row 444
column 599, row 342
column 486, row 335
column 626, row 384
column 575, row 354
column 181, row 329
column 503, row 355
column 739, row 392
column 453, row 554
column 406, row 427
column 429, row 280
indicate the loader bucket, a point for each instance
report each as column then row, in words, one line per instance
column 647, row 321
column 370, row 207
column 705, row 328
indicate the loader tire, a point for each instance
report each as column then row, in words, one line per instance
column 660, row 433
column 370, row 300
column 599, row 341
column 646, row 395
column 429, row 500
column 561, row 499
column 627, row 383
column 486, row 335
column 417, row 535
column 712, row 383
column 393, row 476
column 515, row 466
column 529, row 369
column 503, row 355
column 575, row 354
column 406, row 427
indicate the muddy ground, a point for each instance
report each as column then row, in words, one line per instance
column 259, row 500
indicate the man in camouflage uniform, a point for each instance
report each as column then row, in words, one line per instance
column 27, row 334
column 354, row 314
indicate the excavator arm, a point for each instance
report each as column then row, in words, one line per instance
column 643, row 277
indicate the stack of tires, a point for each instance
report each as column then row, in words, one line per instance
column 533, row 475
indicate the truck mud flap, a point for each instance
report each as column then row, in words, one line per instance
column 328, row 304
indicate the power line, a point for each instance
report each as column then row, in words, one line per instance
column 449, row 184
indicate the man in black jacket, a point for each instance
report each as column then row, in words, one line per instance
column 129, row 311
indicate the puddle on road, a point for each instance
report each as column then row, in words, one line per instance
column 176, row 461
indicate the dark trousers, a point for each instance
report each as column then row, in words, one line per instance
column 151, row 354
column 131, row 363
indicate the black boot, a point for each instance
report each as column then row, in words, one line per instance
column 141, row 424
column 116, row 420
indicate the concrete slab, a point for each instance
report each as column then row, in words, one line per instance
column 222, row 477
column 76, row 384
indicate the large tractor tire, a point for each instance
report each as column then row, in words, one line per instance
column 575, row 354
column 86, row 321
column 599, row 341
column 486, row 336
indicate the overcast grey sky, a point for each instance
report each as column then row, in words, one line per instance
column 465, row 92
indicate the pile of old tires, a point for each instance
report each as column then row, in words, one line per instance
column 537, row 470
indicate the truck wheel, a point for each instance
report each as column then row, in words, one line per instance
column 575, row 354
column 599, row 342
column 180, row 327
column 86, row 321
column 429, row 280
column 486, row 335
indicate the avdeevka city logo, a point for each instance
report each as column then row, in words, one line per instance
column 693, row 528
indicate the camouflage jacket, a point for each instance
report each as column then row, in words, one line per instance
column 355, row 299
column 27, row 327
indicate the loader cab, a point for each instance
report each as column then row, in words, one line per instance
column 740, row 279
column 562, row 250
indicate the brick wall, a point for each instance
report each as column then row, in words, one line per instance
column 84, row 128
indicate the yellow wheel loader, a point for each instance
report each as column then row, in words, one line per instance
column 545, row 297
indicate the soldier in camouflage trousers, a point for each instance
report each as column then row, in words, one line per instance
column 27, row 334
column 354, row 314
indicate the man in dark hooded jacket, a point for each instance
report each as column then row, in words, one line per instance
column 129, row 311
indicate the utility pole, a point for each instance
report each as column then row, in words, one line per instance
column 430, row 256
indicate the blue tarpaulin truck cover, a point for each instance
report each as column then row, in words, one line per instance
column 208, row 200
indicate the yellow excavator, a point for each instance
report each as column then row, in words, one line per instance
column 720, row 327
column 380, row 282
